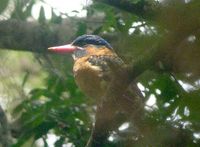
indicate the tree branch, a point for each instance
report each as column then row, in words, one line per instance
column 141, row 8
column 33, row 37
column 115, row 102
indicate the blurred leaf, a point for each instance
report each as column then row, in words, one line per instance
column 110, row 19
column 42, row 18
column 43, row 129
column 75, row 11
column 97, row 31
column 22, row 9
column 26, row 76
column 54, row 18
column 192, row 101
column 28, row 8
column 38, row 93
column 82, row 28
column 59, row 142
column 167, row 86
column 3, row 5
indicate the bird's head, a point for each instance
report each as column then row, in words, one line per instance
column 79, row 46
column 91, row 54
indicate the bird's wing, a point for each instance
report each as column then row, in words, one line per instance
column 105, row 62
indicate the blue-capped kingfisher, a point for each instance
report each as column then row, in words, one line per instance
column 93, row 72
column 91, row 54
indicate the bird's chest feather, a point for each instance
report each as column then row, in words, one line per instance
column 89, row 75
column 92, row 73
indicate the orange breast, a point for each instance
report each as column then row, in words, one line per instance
column 87, row 76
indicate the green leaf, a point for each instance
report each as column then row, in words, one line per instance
column 26, row 76
column 54, row 18
column 43, row 129
column 42, row 18
column 59, row 142
column 3, row 5
column 192, row 101
column 82, row 28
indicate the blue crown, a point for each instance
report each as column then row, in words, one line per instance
column 91, row 39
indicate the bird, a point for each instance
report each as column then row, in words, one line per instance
column 95, row 65
column 92, row 55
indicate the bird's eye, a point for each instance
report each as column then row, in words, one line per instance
column 80, row 53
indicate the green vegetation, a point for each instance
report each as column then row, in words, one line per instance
column 160, row 41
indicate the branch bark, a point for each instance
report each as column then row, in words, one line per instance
column 33, row 37
column 142, row 8
column 117, row 106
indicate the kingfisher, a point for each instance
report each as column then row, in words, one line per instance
column 95, row 65
column 92, row 55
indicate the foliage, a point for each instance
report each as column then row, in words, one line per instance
column 169, row 28
column 22, row 9
column 4, row 4
column 58, row 109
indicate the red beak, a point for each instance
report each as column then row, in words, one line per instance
column 63, row 49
